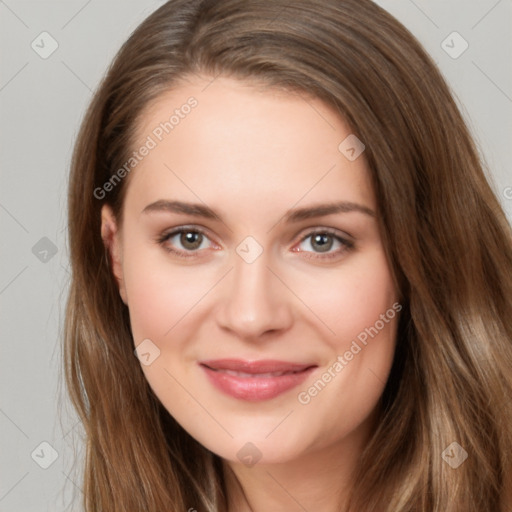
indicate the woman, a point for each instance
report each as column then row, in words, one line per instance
column 279, row 209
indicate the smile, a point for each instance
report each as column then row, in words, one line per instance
column 255, row 380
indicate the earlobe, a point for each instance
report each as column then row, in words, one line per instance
column 111, row 239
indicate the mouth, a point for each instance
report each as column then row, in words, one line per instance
column 255, row 380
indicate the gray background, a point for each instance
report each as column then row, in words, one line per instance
column 42, row 102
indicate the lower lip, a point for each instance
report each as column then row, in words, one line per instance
column 255, row 389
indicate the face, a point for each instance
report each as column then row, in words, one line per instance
column 249, row 256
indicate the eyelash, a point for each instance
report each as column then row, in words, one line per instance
column 347, row 245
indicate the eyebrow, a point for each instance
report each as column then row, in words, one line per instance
column 293, row 215
column 195, row 209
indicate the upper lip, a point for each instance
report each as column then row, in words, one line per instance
column 255, row 367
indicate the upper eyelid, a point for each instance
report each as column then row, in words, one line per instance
column 181, row 229
column 307, row 231
column 330, row 231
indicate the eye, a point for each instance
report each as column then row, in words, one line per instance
column 185, row 242
column 324, row 243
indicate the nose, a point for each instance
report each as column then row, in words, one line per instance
column 256, row 303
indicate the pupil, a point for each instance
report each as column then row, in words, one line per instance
column 191, row 240
column 323, row 242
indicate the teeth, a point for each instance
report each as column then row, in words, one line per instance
column 258, row 375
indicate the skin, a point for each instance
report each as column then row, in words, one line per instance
column 251, row 154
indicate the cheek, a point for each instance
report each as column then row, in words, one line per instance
column 358, row 302
column 162, row 301
column 159, row 294
column 349, row 299
column 364, row 313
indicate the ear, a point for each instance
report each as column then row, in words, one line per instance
column 111, row 238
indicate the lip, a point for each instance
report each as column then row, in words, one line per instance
column 255, row 380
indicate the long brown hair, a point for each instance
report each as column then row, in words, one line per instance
column 446, row 237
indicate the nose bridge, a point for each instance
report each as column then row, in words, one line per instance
column 254, row 302
column 251, row 280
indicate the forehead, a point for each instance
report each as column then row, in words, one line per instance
column 233, row 145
